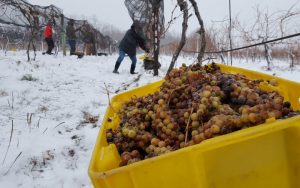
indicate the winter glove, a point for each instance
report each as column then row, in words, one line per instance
column 147, row 50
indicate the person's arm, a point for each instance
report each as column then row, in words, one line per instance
column 142, row 43
column 140, row 40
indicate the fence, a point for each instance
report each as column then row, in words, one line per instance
column 20, row 22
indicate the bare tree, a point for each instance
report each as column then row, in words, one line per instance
column 264, row 23
column 31, row 17
column 156, row 34
column 285, row 20
column 219, row 31
column 184, row 8
column 267, row 26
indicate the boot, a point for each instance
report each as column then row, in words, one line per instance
column 117, row 65
column 132, row 68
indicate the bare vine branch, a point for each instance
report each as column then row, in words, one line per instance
column 184, row 8
column 201, row 31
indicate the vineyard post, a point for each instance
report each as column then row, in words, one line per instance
column 63, row 35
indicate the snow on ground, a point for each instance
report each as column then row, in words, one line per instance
column 54, row 103
column 279, row 68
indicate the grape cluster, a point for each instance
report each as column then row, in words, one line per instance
column 194, row 103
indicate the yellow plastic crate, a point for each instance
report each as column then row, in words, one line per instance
column 263, row 156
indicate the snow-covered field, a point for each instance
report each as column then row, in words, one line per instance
column 53, row 105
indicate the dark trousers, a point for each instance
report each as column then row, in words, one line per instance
column 50, row 44
column 72, row 44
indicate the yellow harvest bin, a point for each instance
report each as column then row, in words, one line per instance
column 258, row 157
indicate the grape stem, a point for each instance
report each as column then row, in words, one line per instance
column 107, row 92
column 187, row 126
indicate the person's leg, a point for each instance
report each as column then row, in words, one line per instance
column 48, row 44
column 51, row 42
column 72, row 46
column 121, row 56
column 84, row 48
column 88, row 49
column 91, row 48
column 119, row 61
column 133, row 64
column 94, row 51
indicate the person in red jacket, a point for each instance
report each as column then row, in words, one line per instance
column 48, row 37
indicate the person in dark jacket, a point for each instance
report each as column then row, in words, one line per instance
column 48, row 37
column 89, row 40
column 128, row 46
column 71, row 36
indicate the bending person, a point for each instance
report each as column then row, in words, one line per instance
column 128, row 46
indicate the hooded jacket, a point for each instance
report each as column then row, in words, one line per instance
column 131, row 41
column 70, row 31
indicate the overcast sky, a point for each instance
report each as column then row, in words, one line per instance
column 115, row 12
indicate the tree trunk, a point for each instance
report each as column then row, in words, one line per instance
column 34, row 50
column 28, row 49
column 156, row 38
column 267, row 56
column 183, row 7
column 292, row 56
column 201, row 32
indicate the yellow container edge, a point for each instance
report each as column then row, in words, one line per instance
column 236, row 136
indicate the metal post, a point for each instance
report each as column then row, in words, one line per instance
column 230, row 41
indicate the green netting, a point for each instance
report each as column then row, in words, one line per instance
column 19, row 16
